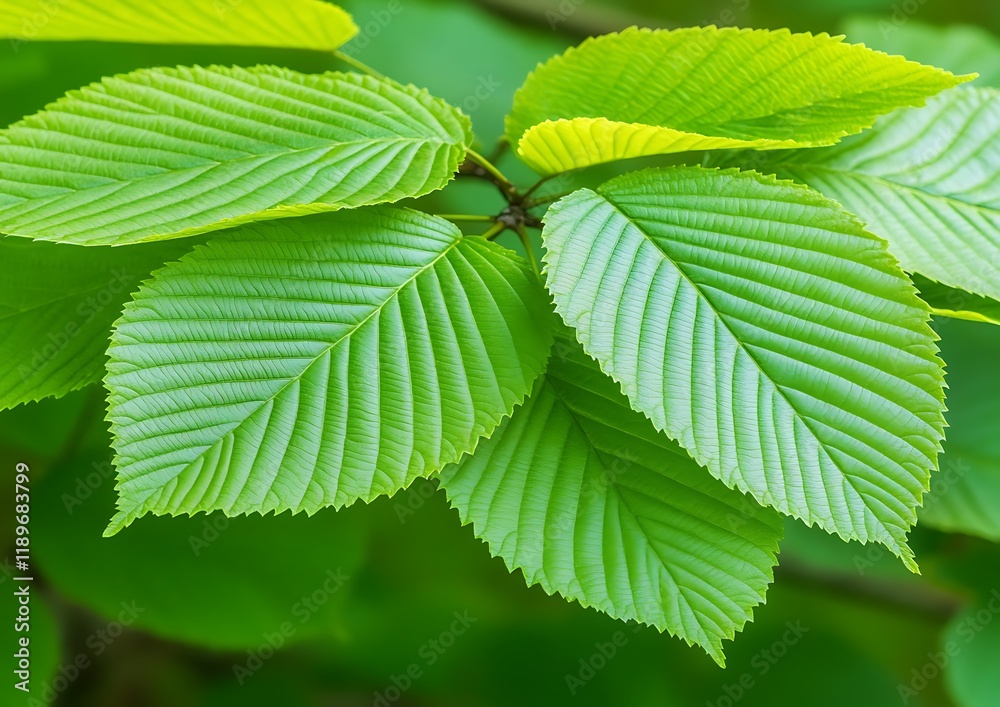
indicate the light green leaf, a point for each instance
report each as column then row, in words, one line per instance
column 958, row 48
column 295, row 24
column 759, row 325
column 313, row 362
column 926, row 181
column 965, row 494
column 57, row 305
column 951, row 302
column 645, row 92
column 164, row 153
column 584, row 496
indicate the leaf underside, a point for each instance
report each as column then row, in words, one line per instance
column 163, row 153
column 584, row 496
column 955, row 303
column 644, row 92
column 294, row 24
column 312, row 362
column 926, row 181
column 759, row 325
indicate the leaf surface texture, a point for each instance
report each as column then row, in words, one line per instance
column 308, row 363
column 163, row 153
column 587, row 499
column 645, row 92
column 759, row 325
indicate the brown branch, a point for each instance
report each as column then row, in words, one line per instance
column 579, row 18
column 909, row 596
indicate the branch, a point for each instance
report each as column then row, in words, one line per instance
column 577, row 19
column 910, row 596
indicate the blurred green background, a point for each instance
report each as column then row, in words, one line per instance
column 396, row 604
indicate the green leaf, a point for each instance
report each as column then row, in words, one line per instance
column 164, row 153
column 584, row 496
column 759, row 325
column 57, row 305
column 951, row 302
column 971, row 642
column 295, row 24
column 962, row 49
column 645, row 92
column 926, row 181
column 313, row 362
column 965, row 494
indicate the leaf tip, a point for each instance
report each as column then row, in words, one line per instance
column 119, row 522
column 716, row 653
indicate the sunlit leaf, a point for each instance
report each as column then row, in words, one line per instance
column 163, row 153
column 298, row 24
column 646, row 92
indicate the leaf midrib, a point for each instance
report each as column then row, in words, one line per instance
column 353, row 330
column 601, row 453
column 888, row 183
column 212, row 164
column 742, row 347
column 712, row 645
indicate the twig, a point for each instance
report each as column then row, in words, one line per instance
column 918, row 598
column 522, row 233
column 359, row 65
column 508, row 190
column 466, row 217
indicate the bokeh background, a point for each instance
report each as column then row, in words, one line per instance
column 396, row 603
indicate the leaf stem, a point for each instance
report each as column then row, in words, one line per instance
column 534, row 187
column 493, row 231
column 509, row 190
column 466, row 217
column 543, row 200
column 356, row 64
column 522, row 233
column 500, row 150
